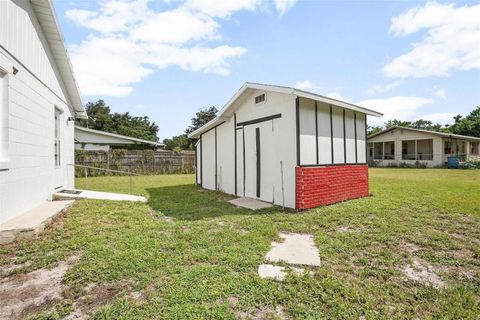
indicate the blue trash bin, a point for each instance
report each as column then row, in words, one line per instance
column 453, row 162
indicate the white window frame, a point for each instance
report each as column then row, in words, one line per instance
column 4, row 121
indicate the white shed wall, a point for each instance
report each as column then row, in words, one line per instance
column 31, row 176
column 226, row 157
column 208, row 160
column 354, row 144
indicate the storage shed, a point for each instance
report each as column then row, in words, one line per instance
column 285, row 146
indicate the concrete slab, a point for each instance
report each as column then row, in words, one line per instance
column 32, row 222
column 296, row 249
column 268, row 271
column 249, row 203
column 87, row 194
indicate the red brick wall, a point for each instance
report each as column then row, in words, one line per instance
column 322, row 185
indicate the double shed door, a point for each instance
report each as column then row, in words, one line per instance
column 260, row 161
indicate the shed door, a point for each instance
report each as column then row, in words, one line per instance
column 259, row 160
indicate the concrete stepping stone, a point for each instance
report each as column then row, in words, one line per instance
column 269, row 271
column 297, row 249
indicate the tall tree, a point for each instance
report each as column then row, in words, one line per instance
column 201, row 117
column 469, row 125
column 101, row 118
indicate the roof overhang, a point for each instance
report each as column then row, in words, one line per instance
column 445, row 135
column 47, row 19
column 114, row 135
column 224, row 113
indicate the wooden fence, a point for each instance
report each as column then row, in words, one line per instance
column 136, row 161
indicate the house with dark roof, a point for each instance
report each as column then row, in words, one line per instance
column 400, row 145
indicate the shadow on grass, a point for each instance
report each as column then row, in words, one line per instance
column 189, row 202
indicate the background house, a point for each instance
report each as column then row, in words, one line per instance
column 398, row 145
column 285, row 146
column 95, row 140
column 39, row 99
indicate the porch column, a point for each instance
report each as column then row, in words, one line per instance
column 383, row 150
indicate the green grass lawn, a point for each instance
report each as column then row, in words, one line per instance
column 189, row 254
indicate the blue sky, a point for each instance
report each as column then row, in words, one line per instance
column 168, row 59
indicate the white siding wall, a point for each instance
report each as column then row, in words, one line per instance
column 355, row 147
column 324, row 134
column 226, row 156
column 31, row 176
column 208, row 160
column 277, row 145
column 361, row 137
column 350, row 136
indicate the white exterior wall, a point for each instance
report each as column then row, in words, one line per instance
column 226, row 157
column 208, row 160
column 30, row 176
column 355, row 144
column 399, row 135
column 277, row 144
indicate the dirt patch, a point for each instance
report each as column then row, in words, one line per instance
column 97, row 296
column 25, row 293
column 9, row 269
column 263, row 312
column 410, row 248
column 421, row 272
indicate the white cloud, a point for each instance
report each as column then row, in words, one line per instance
column 130, row 40
column 284, row 5
column 397, row 107
column 451, row 41
column 440, row 92
column 379, row 88
column 308, row 85
column 224, row 8
column 337, row 96
column 311, row 86
column 439, row 117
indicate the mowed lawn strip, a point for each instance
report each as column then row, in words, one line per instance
column 187, row 253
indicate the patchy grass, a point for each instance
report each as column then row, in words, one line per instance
column 189, row 254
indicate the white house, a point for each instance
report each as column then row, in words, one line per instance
column 39, row 99
column 96, row 140
column 399, row 145
column 285, row 146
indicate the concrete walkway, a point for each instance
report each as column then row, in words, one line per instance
column 87, row 194
column 249, row 203
column 32, row 222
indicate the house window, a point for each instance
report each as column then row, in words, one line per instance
column 448, row 147
column 474, row 147
column 378, row 151
column 425, row 149
column 57, row 137
column 408, row 150
column 390, row 150
column 4, row 117
column 260, row 98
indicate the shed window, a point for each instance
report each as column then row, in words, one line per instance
column 260, row 98
column 4, row 117
column 57, row 137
